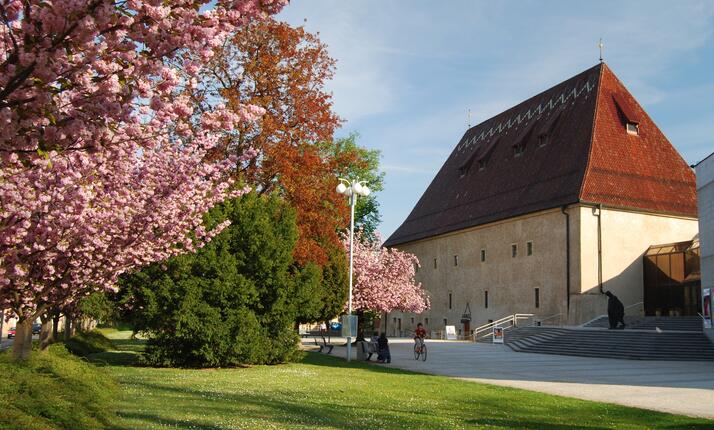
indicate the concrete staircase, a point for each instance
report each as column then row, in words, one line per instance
column 623, row 344
column 688, row 323
column 671, row 323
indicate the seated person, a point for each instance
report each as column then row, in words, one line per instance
column 383, row 345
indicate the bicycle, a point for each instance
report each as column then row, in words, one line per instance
column 419, row 349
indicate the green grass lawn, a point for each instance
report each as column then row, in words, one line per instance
column 326, row 392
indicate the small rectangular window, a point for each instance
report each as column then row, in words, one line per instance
column 633, row 128
column 483, row 255
column 412, row 321
column 529, row 248
column 456, row 260
column 445, row 322
column 514, row 250
column 449, row 300
column 542, row 140
column 537, row 297
column 426, row 321
column 416, row 268
column 481, row 164
column 518, row 150
column 435, row 263
column 485, row 299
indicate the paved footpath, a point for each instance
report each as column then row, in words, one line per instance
column 680, row 387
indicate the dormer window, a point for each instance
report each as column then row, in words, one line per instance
column 518, row 150
column 542, row 140
column 481, row 164
column 519, row 145
column 548, row 128
column 633, row 128
column 628, row 114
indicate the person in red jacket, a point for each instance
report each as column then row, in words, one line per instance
column 419, row 335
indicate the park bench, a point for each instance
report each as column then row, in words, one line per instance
column 369, row 348
column 324, row 345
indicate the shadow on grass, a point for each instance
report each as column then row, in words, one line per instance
column 265, row 409
column 210, row 409
column 319, row 359
column 135, row 345
column 157, row 420
column 127, row 353
column 115, row 358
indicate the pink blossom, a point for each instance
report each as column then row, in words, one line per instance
column 384, row 278
column 93, row 179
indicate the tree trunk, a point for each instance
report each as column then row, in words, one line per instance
column 22, row 345
column 27, row 347
column 67, row 327
column 45, row 332
column 55, row 326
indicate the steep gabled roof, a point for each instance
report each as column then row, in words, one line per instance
column 565, row 145
column 641, row 171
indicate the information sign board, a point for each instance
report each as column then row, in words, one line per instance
column 349, row 325
column 450, row 332
column 498, row 334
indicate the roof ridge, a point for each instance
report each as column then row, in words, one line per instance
column 592, row 132
column 555, row 102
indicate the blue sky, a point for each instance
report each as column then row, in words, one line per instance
column 407, row 71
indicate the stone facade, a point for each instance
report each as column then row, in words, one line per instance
column 454, row 275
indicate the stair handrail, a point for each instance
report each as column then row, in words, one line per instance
column 512, row 319
column 493, row 323
column 489, row 326
column 634, row 304
column 540, row 320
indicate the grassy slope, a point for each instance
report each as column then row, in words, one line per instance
column 54, row 390
column 324, row 392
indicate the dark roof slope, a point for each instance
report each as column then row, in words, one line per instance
column 553, row 150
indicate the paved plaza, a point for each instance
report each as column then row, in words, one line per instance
column 679, row 387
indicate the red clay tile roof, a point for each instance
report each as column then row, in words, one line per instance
column 634, row 171
column 572, row 154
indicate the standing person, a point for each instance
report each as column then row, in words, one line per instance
column 383, row 346
column 615, row 311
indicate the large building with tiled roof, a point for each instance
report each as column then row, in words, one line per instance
column 542, row 207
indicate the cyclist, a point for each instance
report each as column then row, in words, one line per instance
column 419, row 335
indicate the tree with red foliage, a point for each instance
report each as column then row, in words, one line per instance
column 283, row 70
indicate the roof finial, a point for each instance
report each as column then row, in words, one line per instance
column 602, row 48
column 468, row 117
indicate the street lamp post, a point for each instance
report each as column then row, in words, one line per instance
column 351, row 189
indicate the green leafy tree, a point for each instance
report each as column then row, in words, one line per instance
column 99, row 306
column 233, row 302
column 364, row 164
